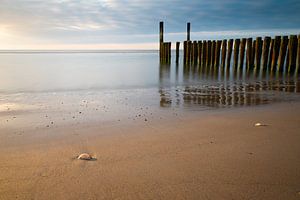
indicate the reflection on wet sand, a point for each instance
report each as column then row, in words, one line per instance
column 214, row 87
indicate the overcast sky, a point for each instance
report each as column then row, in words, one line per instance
column 133, row 24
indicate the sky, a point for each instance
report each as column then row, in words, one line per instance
column 133, row 24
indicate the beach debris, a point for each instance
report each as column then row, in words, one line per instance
column 84, row 156
column 259, row 124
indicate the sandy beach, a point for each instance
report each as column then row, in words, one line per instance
column 216, row 155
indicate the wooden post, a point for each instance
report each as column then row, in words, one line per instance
column 275, row 52
column 161, row 32
column 208, row 52
column 189, row 49
column 188, row 31
column 253, row 54
column 249, row 53
column 271, row 53
column 229, row 53
column 236, row 52
column 293, row 53
column 266, row 47
column 298, row 56
column 161, row 38
column 242, row 53
column 287, row 60
column 223, row 58
column 195, row 51
column 213, row 49
column 184, row 52
column 258, row 51
column 217, row 54
column 282, row 53
column 162, row 52
column 177, row 52
column 204, row 52
column 200, row 52
column 192, row 52
column 163, row 49
column 169, row 51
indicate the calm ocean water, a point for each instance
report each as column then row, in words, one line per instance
column 138, row 74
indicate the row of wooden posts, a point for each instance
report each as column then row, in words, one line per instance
column 274, row 54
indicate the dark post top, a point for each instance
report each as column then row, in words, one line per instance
column 188, row 30
column 161, row 32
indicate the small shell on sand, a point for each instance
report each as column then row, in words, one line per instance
column 259, row 124
column 85, row 156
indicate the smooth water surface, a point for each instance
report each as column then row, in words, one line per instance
column 44, row 77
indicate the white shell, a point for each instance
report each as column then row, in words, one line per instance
column 85, row 156
column 260, row 124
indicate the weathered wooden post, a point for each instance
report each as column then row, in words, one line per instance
column 253, row 54
column 204, row 52
column 275, row 52
column 189, row 49
column 217, row 54
column 192, row 52
column 236, row 53
column 293, row 53
column 208, row 53
column 258, row 51
column 271, row 53
column 161, row 38
column 169, row 51
column 200, row 52
column 213, row 49
column 242, row 53
column 287, row 60
column 266, row 47
column 229, row 53
column 249, row 53
column 223, row 56
column 298, row 56
column 184, row 52
column 188, row 31
column 195, row 52
column 177, row 52
column 166, row 52
column 162, row 52
column 282, row 53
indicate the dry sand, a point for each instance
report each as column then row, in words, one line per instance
column 219, row 155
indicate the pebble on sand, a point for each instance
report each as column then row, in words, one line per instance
column 85, row 156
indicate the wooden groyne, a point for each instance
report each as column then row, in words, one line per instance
column 278, row 54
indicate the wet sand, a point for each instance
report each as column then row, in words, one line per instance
column 216, row 155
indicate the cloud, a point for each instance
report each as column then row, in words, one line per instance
column 136, row 21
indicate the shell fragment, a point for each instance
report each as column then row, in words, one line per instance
column 85, row 156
